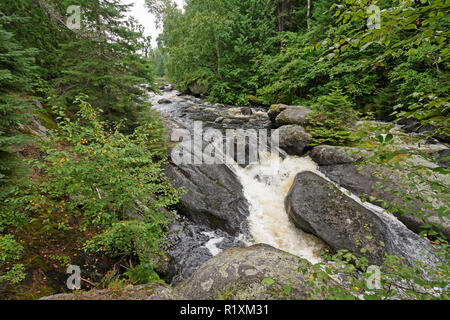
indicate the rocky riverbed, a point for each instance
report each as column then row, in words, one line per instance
column 241, row 223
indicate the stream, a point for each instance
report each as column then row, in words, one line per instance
column 265, row 184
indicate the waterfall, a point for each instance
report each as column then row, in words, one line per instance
column 266, row 184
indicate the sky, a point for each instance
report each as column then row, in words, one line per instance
column 141, row 14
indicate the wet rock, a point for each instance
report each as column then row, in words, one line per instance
column 443, row 158
column 317, row 206
column 234, row 121
column 151, row 291
column 366, row 181
column 297, row 115
column 169, row 87
column 214, row 196
column 326, row 155
column 194, row 109
column 293, row 139
column 246, row 111
column 190, row 245
column 197, row 89
column 35, row 128
column 164, row 101
column 255, row 101
column 411, row 125
column 239, row 274
column 275, row 110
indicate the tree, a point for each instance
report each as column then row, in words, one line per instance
column 415, row 36
column 110, row 67
column 15, row 80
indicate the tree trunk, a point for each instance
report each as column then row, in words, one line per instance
column 308, row 14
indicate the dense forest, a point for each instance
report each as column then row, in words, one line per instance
column 83, row 155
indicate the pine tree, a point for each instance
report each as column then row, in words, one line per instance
column 109, row 66
column 15, row 74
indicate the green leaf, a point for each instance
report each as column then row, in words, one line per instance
column 269, row 281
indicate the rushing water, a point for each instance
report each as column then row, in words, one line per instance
column 266, row 184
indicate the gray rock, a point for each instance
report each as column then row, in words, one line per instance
column 443, row 158
column 35, row 128
column 363, row 182
column 246, row 111
column 164, row 101
column 276, row 109
column 214, row 196
column 194, row 109
column 297, row 115
column 326, row 155
column 239, row 274
column 293, row 139
column 413, row 125
column 317, row 206
column 188, row 246
column 197, row 89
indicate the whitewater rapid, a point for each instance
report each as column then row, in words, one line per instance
column 265, row 186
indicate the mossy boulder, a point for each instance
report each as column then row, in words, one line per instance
column 293, row 139
column 318, row 207
column 197, row 88
column 275, row 110
column 326, row 155
column 379, row 184
column 293, row 115
column 259, row 272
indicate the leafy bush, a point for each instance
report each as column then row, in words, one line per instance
column 396, row 280
column 142, row 274
column 114, row 181
column 10, row 252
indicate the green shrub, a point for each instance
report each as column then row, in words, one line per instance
column 113, row 180
column 330, row 121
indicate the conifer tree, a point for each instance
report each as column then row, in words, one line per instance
column 109, row 66
column 15, row 79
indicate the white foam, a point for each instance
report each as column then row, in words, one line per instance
column 211, row 245
column 265, row 186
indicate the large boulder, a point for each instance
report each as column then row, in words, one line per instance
column 239, row 274
column 275, row 110
column 197, row 89
column 293, row 139
column 214, row 196
column 297, row 115
column 317, row 206
column 326, row 155
column 377, row 185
